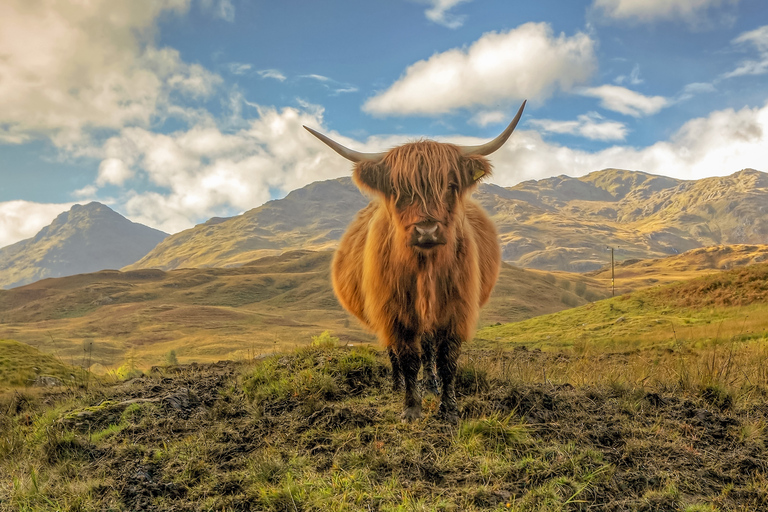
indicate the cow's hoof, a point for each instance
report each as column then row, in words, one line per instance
column 410, row 414
column 431, row 386
column 449, row 414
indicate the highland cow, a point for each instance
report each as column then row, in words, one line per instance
column 419, row 261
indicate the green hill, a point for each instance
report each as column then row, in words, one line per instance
column 729, row 305
column 21, row 365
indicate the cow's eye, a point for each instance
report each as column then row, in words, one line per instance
column 454, row 188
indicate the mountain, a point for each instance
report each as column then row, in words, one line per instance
column 558, row 223
column 85, row 239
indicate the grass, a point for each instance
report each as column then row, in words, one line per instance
column 707, row 311
column 318, row 429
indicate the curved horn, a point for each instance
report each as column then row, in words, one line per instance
column 489, row 147
column 349, row 154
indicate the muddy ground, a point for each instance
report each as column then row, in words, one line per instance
column 225, row 437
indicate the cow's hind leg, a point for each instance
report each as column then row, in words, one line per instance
column 429, row 377
column 448, row 351
column 397, row 371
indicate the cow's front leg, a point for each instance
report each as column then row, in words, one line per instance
column 429, row 377
column 448, row 351
column 397, row 371
column 407, row 349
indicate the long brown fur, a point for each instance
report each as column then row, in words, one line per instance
column 405, row 294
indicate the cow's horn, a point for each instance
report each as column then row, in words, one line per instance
column 349, row 154
column 489, row 147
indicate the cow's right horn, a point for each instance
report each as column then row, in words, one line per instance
column 489, row 147
column 349, row 154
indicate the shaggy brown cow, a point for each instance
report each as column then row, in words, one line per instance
column 418, row 262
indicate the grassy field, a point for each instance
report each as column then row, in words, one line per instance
column 318, row 429
column 645, row 402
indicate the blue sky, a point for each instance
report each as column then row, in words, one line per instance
column 174, row 111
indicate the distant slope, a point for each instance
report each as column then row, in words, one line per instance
column 634, row 274
column 84, row 239
column 723, row 306
column 215, row 313
column 558, row 223
column 21, row 365
column 313, row 217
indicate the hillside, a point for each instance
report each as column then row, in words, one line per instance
column 632, row 274
column 22, row 365
column 557, row 223
column 87, row 238
column 711, row 309
column 215, row 313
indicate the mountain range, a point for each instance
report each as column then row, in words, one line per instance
column 558, row 223
column 86, row 238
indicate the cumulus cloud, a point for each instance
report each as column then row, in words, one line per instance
column 591, row 126
column 204, row 171
column 92, row 65
column 526, row 62
column 653, row 10
column 20, row 220
column 438, row 13
column 724, row 142
column 758, row 39
column 625, row 101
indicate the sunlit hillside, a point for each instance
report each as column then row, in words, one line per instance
column 557, row 223
column 270, row 304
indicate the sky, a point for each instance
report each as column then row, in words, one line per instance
column 175, row 111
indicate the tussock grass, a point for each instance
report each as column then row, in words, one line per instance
column 318, row 429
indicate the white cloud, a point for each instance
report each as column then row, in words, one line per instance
column 591, row 125
column 272, row 73
column 113, row 171
column 20, row 220
column 438, row 13
column 526, row 62
column 486, row 117
column 89, row 65
column 724, row 142
column 652, row 10
column 626, row 101
column 757, row 38
column 202, row 172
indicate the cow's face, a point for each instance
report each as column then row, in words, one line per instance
column 423, row 185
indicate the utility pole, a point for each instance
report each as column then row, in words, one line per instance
column 613, row 280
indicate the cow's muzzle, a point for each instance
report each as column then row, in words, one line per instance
column 427, row 235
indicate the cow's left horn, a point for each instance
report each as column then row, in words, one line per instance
column 349, row 154
column 489, row 147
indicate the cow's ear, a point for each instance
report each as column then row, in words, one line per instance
column 373, row 177
column 474, row 168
